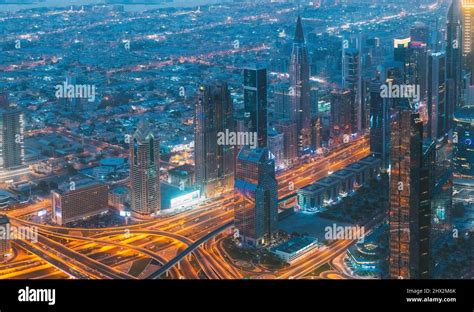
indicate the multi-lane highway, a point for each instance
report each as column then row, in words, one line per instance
column 181, row 245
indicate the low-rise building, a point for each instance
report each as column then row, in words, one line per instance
column 78, row 200
column 347, row 179
column 311, row 196
column 172, row 197
column 119, row 197
column 332, row 188
column 295, row 248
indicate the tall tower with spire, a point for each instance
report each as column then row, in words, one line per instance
column 145, row 171
column 300, row 108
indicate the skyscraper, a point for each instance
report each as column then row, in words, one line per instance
column 11, row 136
column 414, row 57
column 405, row 212
column 379, row 125
column 276, row 146
column 365, row 104
column 463, row 161
column 380, row 117
column 255, row 102
column 282, row 100
column 352, row 81
column 420, row 33
column 464, row 143
column 427, row 185
column 437, row 115
column 467, row 18
column 290, row 139
column 454, row 50
column 5, row 245
column 145, row 171
column 214, row 163
column 400, row 49
column 256, row 203
column 315, row 133
column 300, row 107
column 341, row 114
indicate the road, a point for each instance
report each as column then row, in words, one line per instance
column 180, row 237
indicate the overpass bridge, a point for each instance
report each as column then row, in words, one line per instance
column 157, row 274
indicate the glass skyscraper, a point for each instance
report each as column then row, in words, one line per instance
column 256, row 201
column 405, row 223
column 214, row 163
column 255, row 102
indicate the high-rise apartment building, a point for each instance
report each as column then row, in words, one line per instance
column 145, row 171
column 11, row 136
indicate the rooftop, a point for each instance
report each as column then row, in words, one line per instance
column 295, row 244
column 465, row 114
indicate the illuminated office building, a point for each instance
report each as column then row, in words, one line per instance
column 82, row 199
column 351, row 80
column 454, row 52
column 464, row 142
column 276, row 145
column 255, row 102
column 341, row 114
column 379, row 125
column 414, row 57
column 467, row 10
column 463, row 161
column 290, row 139
column 214, row 163
column 437, row 108
column 379, row 120
column 256, row 203
column 407, row 214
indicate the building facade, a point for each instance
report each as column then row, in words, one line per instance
column 256, row 203
column 300, row 104
column 11, row 138
column 214, row 163
column 144, row 171
column 5, row 245
column 77, row 200
column 255, row 102
column 404, row 214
